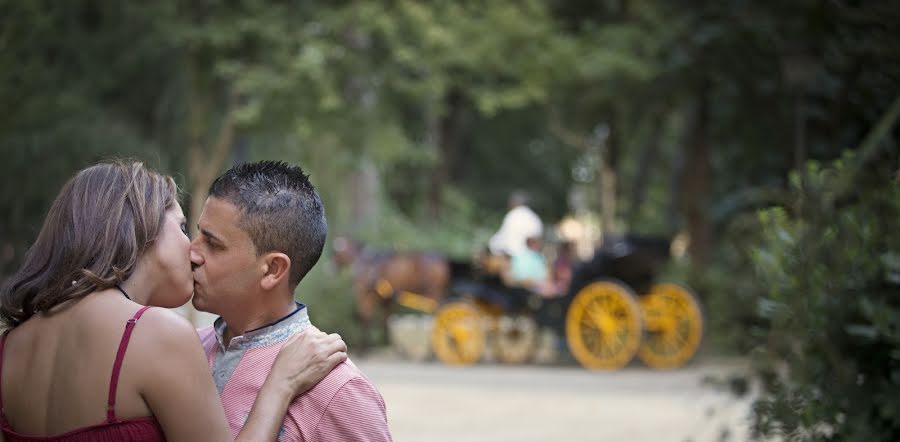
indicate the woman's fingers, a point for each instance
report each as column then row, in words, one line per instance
column 338, row 345
column 336, row 358
column 307, row 357
column 333, row 337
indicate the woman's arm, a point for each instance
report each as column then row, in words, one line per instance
column 181, row 394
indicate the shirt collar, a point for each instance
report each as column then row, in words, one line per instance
column 268, row 334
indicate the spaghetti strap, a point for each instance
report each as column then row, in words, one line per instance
column 2, row 410
column 117, row 366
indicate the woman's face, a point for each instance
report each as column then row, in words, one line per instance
column 171, row 260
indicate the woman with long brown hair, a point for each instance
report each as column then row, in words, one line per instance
column 85, row 359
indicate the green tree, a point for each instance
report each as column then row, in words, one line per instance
column 829, row 361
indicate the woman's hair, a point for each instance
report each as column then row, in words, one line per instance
column 100, row 224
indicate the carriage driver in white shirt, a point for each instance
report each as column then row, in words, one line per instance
column 519, row 224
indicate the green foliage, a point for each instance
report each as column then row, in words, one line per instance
column 830, row 362
column 38, row 164
column 458, row 235
column 329, row 296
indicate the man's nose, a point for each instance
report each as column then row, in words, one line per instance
column 196, row 257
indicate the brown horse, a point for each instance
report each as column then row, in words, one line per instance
column 382, row 278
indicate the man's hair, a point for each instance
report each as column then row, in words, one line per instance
column 279, row 209
column 99, row 226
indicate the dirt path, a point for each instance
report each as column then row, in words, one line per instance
column 495, row 403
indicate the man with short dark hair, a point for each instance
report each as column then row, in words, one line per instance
column 262, row 229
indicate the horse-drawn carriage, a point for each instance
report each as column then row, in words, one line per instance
column 613, row 309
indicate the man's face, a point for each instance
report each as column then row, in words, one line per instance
column 227, row 271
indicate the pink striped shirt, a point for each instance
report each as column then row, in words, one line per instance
column 343, row 407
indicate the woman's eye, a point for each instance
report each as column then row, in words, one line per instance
column 184, row 229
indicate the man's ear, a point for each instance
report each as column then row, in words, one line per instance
column 276, row 269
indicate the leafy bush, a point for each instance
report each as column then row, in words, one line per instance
column 830, row 266
column 329, row 296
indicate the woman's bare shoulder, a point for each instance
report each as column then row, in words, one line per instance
column 167, row 326
column 163, row 340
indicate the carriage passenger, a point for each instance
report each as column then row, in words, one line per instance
column 561, row 271
column 529, row 269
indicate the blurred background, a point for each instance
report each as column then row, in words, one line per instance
column 759, row 139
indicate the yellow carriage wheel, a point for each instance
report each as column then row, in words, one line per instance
column 603, row 326
column 411, row 335
column 673, row 325
column 515, row 339
column 458, row 335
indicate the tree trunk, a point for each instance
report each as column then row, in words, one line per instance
column 649, row 152
column 607, row 197
column 446, row 139
column 206, row 161
column 697, row 177
column 676, row 177
column 609, row 162
column 206, row 158
column 799, row 133
column 366, row 183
